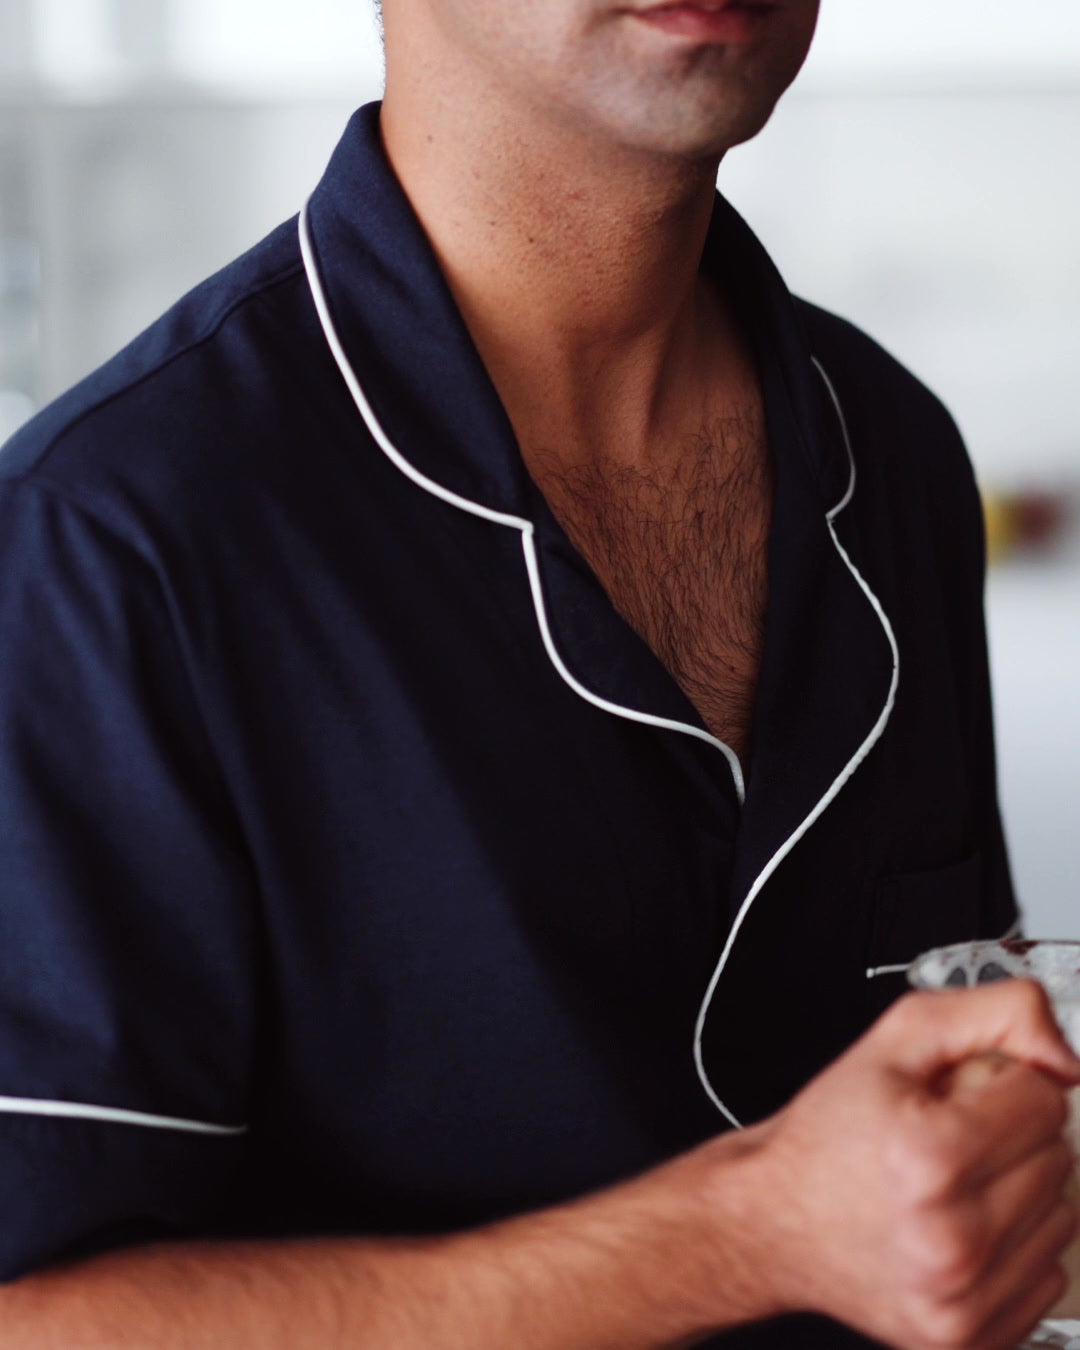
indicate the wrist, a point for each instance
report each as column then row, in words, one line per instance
column 737, row 1215
column 669, row 1258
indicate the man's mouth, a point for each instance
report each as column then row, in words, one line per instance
column 719, row 21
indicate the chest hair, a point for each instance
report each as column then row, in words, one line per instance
column 681, row 550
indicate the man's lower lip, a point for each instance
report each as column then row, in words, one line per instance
column 735, row 23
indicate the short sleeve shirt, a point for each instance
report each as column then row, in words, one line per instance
column 361, row 869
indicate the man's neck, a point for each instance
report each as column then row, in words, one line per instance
column 575, row 265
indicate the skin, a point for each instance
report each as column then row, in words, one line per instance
column 565, row 154
column 561, row 157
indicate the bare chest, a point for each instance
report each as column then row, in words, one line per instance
column 681, row 550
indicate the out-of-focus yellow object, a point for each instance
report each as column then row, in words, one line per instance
column 999, row 527
column 1024, row 522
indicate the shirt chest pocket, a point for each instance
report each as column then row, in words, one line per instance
column 915, row 911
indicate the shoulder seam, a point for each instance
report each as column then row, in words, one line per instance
column 33, row 478
column 215, row 325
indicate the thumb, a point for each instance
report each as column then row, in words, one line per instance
column 931, row 1032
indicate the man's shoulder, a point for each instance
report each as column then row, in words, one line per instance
column 898, row 424
column 914, row 473
column 164, row 409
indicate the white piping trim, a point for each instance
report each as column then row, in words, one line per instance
column 846, row 773
column 533, row 567
column 360, row 398
column 27, row 1106
column 901, row 969
column 526, row 527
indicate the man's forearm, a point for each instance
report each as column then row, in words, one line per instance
column 656, row 1262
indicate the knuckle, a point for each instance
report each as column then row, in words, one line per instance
column 949, row 1326
column 1029, row 998
column 908, row 1011
column 948, row 1256
column 956, row 1272
column 919, row 1179
column 926, row 1169
column 1045, row 1097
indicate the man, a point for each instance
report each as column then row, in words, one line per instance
column 466, row 734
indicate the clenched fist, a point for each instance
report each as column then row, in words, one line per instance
column 915, row 1188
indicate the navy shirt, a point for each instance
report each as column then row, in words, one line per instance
column 361, row 870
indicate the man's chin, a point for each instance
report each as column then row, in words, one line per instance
column 692, row 132
column 702, row 102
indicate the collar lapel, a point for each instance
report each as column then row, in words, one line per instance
column 412, row 355
column 826, row 679
column 829, row 665
column 402, row 332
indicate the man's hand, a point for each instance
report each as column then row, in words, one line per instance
column 915, row 1199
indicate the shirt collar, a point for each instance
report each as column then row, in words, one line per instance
column 402, row 331
column 826, row 665
column 405, row 338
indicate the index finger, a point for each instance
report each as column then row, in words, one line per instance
column 930, row 1032
column 1002, row 1115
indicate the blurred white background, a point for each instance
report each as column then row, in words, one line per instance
column 921, row 178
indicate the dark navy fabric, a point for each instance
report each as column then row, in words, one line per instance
column 301, row 829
